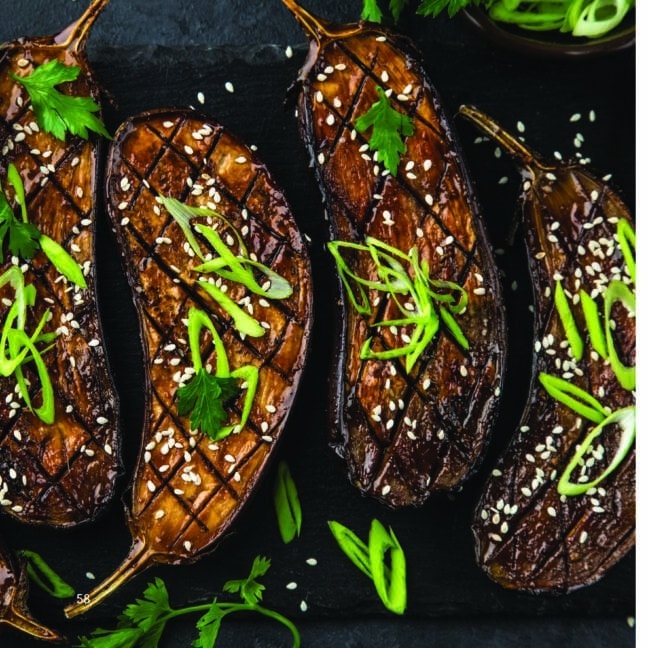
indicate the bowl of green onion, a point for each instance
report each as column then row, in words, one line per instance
column 556, row 28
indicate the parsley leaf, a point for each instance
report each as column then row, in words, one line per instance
column 371, row 11
column 23, row 237
column 251, row 590
column 209, row 625
column 389, row 127
column 203, row 398
column 59, row 113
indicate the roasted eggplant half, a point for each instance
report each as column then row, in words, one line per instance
column 421, row 336
column 558, row 510
column 59, row 415
column 222, row 286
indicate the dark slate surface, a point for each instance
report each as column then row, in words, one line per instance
column 150, row 54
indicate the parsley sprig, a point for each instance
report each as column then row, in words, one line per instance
column 389, row 127
column 142, row 623
column 203, row 398
column 58, row 113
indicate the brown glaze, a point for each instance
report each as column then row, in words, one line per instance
column 187, row 489
column 64, row 473
column 403, row 435
column 528, row 536
column 13, row 594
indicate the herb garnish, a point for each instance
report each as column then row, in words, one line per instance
column 389, row 127
column 25, row 239
column 18, row 348
column 234, row 267
column 589, row 18
column 204, row 396
column 44, row 576
column 602, row 340
column 142, row 623
column 425, row 305
column 382, row 560
column 59, row 113
column 287, row 505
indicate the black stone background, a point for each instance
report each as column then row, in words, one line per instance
column 154, row 53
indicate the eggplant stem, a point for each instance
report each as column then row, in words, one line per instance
column 520, row 153
column 18, row 619
column 75, row 36
column 317, row 27
column 139, row 558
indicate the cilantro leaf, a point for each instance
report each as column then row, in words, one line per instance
column 208, row 626
column 203, row 399
column 250, row 590
column 59, row 113
column 389, row 127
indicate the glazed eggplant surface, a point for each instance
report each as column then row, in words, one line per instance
column 405, row 432
column 60, row 471
column 558, row 510
column 188, row 485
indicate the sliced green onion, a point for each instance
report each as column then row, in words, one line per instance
column 593, row 324
column 13, row 176
column 617, row 291
column 388, row 568
column 430, row 301
column 573, row 397
column 627, row 240
column 356, row 550
column 44, row 576
column 243, row 321
column 62, row 261
column 287, row 504
column 182, row 214
column 624, row 418
column 569, row 323
column 382, row 560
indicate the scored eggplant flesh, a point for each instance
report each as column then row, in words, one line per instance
column 61, row 473
column 528, row 535
column 188, row 489
column 403, row 434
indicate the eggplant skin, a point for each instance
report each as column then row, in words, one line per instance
column 528, row 536
column 65, row 473
column 403, row 435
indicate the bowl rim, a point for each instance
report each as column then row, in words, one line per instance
column 539, row 47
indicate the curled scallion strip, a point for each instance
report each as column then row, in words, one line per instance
column 239, row 268
column 382, row 559
column 44, row 576
column 287, row 504
column 18, row 348
column 405, row 278
column 574, row 397
column 569, row 323
column 625, row 418
column 617, row 291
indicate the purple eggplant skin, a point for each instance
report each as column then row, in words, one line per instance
column 404, row 435
column 528, row 535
